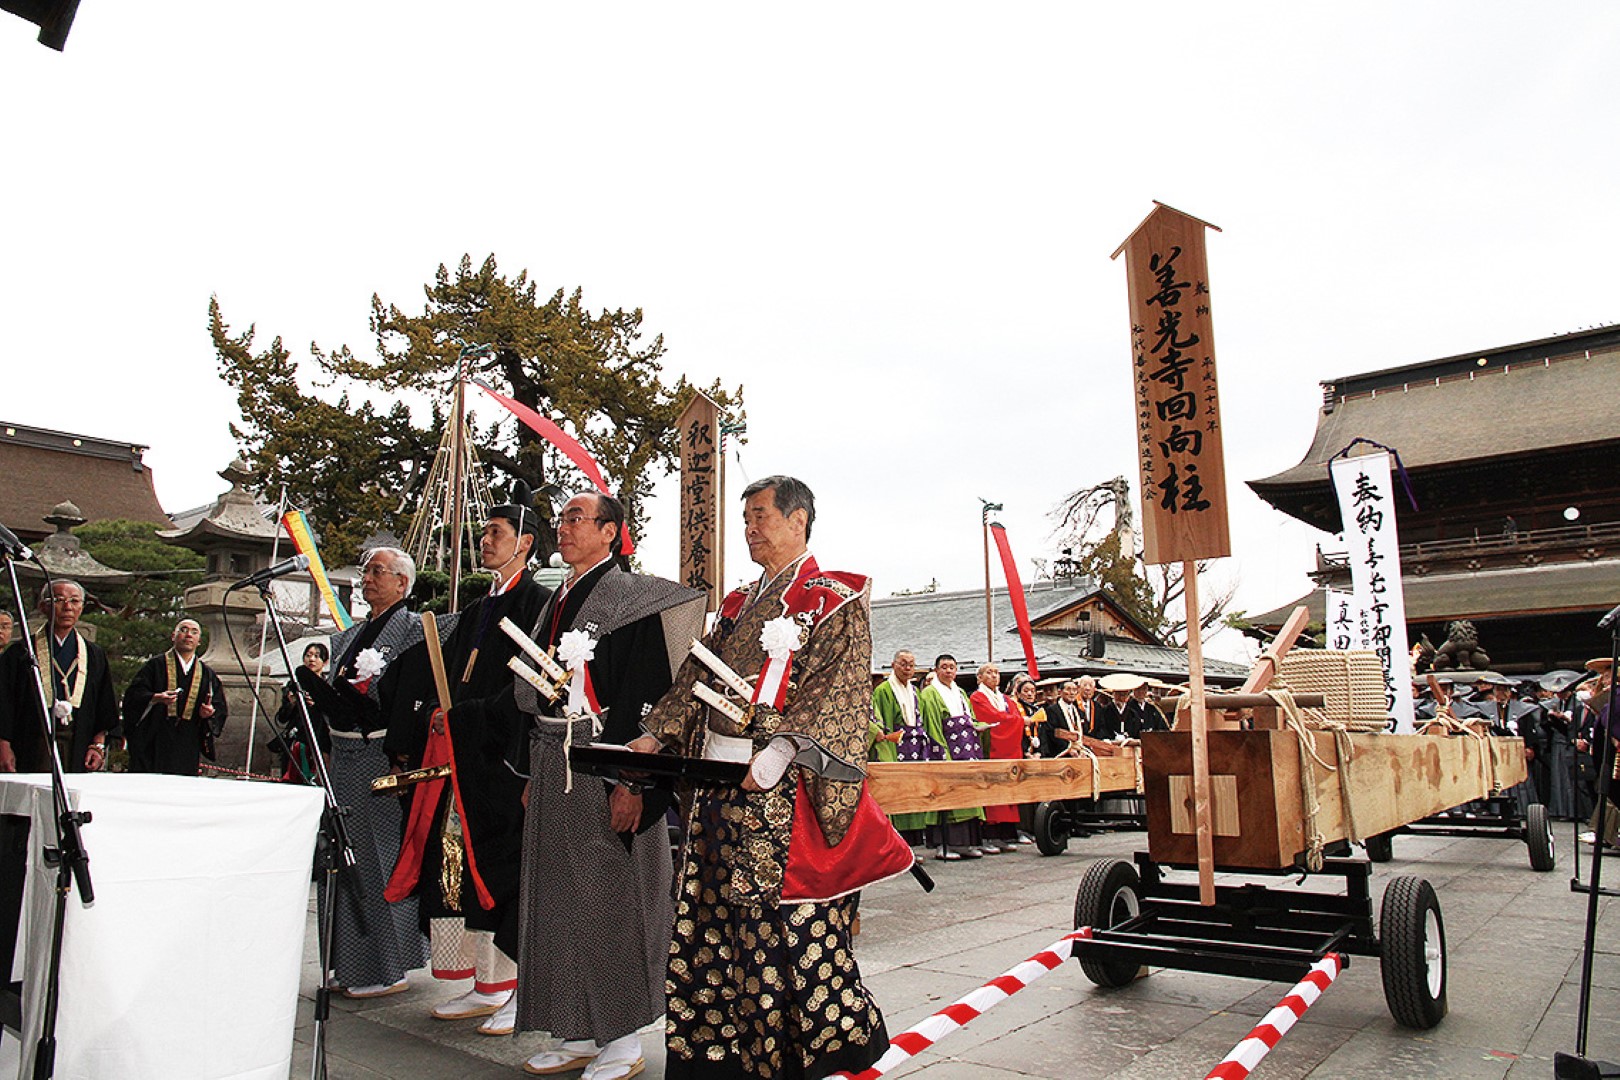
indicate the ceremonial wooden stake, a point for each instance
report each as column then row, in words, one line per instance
column 1203, row 817
column 441, row 682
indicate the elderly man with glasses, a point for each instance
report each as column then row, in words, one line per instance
column 79, row 694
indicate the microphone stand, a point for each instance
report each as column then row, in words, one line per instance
column 1578, row 1066
column 338, row 857
column 69, row 857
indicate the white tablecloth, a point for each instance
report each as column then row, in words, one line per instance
column 187, row 964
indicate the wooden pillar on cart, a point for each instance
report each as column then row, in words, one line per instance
column 1178, row 445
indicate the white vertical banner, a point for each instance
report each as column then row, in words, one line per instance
column 1343, row 622
column 1367, row 507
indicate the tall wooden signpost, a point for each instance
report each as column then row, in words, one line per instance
column 1178, row 444
column 702, row 561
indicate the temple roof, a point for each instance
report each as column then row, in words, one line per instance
column 106, row 480
column 1470, row 410
column 1557, row 588
column 953, row 622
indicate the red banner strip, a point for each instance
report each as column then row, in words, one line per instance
column 556, row 436
column 1015, row 592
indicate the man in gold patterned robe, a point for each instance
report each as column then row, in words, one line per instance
column 762, row 979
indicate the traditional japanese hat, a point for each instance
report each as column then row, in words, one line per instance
column 1492, row 678
column 1600, row 663
column 1120, row 680
column 519, row 511
column 1560, row 680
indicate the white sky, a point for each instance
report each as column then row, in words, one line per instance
column 890, row 222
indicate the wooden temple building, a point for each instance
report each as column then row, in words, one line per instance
column 1513, row 455
column 104, row 479
column 1076, row 627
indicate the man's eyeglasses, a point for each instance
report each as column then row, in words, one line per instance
column 378, row 571
column 573, row 518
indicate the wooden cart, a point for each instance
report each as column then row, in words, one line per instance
column 1286, row 799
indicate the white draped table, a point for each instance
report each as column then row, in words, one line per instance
column 187, row 964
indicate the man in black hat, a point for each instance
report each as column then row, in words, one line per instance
column 468, row 843
column 1560, row 723
column 1508, row 715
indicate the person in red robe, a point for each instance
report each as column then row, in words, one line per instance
column 1005, row 736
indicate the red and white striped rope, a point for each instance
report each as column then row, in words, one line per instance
column 1268, row 1032
column 914, row 1040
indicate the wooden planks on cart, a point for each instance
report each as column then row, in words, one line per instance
column 1259, row 807
column 908, row 787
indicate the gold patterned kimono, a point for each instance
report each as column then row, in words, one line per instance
column 758, row 988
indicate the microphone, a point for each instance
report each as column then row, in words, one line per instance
column 1608, row 620
column 270, row 573
column 11, row 547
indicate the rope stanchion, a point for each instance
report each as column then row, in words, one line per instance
column 1268, row 1032
column 919, row 1037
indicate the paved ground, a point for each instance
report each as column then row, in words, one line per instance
column 1514, row 940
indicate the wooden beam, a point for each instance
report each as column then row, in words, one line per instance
column 1265, row 668
column 906, row 787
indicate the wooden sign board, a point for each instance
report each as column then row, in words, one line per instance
column 1178, row 415
column 699, row 432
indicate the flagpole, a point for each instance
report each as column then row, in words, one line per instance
column 989, row 618
column 456, row 480
column 264, row 637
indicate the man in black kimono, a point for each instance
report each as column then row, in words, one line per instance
column 174, row 708
column 467, row 834
column 79, row 691
column 596, row 909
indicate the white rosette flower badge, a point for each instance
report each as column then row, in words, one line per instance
column 368, row 664
column 576, row 649
column 780, row 638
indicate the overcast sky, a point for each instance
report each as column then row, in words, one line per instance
column 890, row 222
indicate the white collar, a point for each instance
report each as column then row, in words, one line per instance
column 185, row 665
column 960, row 700
column 501, row 588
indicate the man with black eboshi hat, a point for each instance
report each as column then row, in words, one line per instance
column 464, row 837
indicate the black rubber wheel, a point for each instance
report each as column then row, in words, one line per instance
column 1538, row 835
column 1110, row 893
column 1381, row 848
column 1413, row 938
column 1051, row 828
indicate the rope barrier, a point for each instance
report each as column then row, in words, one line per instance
column 919, row 1037
column 1269, row 1031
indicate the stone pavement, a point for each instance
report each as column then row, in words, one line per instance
column 1513, row 938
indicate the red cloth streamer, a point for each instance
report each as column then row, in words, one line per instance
column 563, row 441
column 1015, row 592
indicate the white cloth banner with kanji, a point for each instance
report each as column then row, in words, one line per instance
column 1367, row 506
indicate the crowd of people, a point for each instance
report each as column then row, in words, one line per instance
column 1559, row 715
column 556, row 892
column 939, row 721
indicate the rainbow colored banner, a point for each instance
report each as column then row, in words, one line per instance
column 303, row 541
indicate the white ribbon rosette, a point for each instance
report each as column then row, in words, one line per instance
column 576, row 649
column 368, row 664
column 780, row 638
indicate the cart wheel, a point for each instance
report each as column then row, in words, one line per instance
column 1109, row 894
column 1381, row 848
column 1538, row 835
column 1414, row 953
column 1051, row 828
